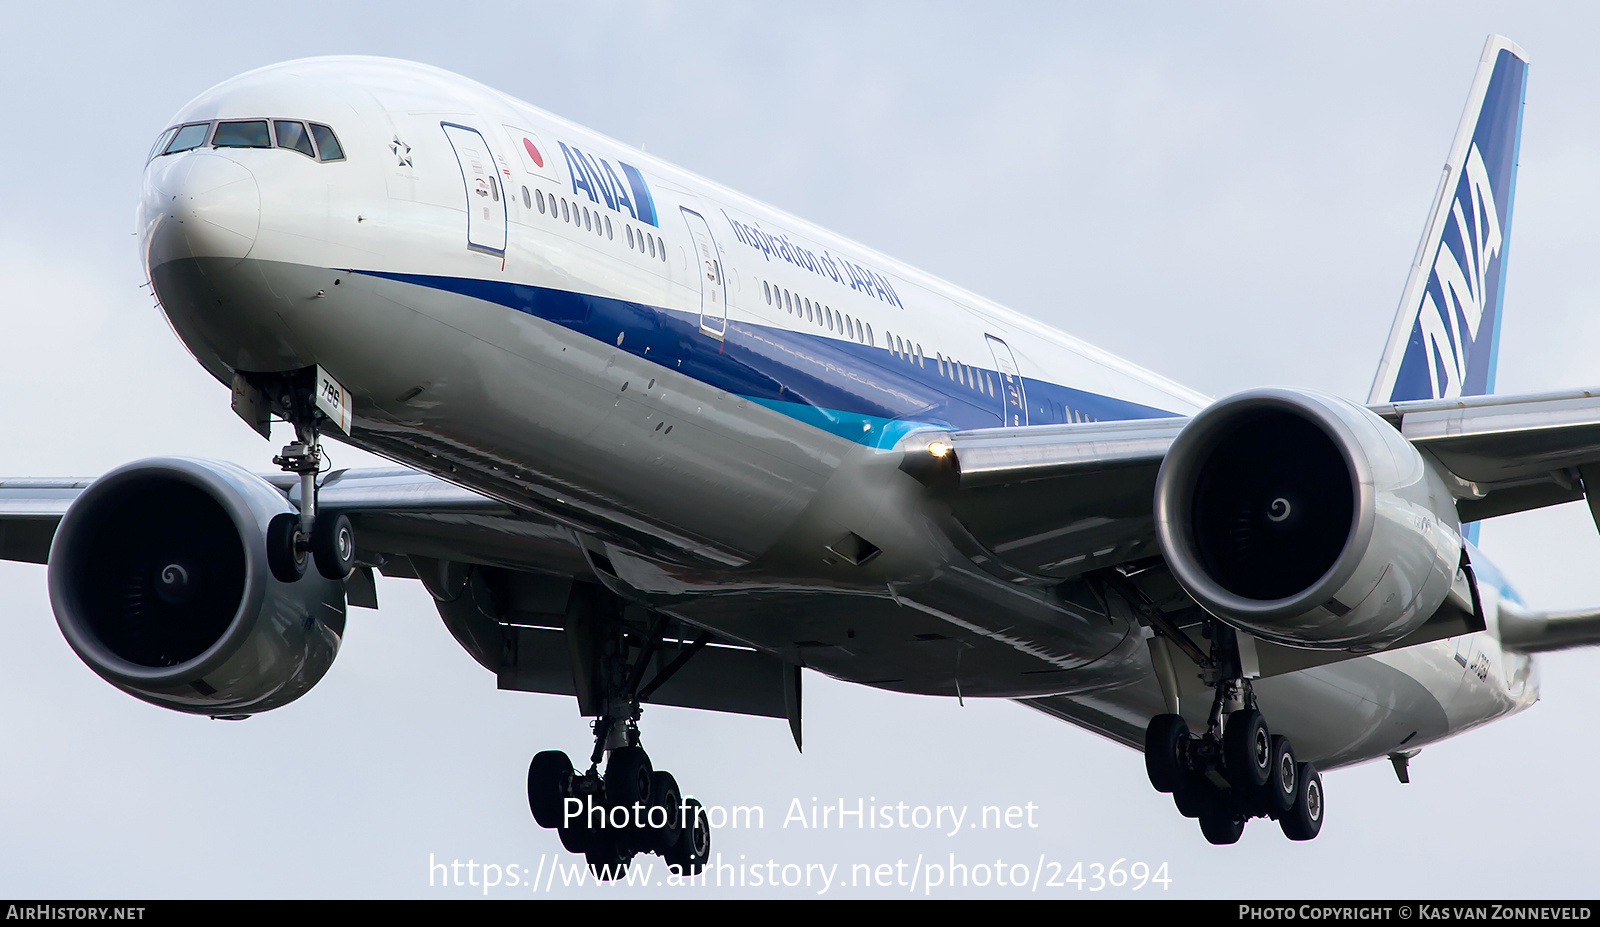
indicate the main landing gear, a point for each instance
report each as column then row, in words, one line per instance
column 632, row 808
column 1236, row 769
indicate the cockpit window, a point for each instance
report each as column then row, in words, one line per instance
column 243, row 134
column 161, row 143
column 327, row 144
column 189, row 136
column 310, row 139
column 293, row 135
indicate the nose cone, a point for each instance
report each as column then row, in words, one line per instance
column 198, row 205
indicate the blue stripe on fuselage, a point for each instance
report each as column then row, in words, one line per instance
column 865, row 394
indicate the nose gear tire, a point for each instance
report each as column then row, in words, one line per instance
column 284, row 556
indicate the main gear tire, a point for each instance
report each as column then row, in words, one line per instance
column 1164, row 739
column 548, row 776
column 1247, row 751
column 1304, row 820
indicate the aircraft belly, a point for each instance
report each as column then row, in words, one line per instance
column 1335, row 715
column 1351, row 712
column 1473, row 680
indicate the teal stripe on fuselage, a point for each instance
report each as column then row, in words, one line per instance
column 871, row 430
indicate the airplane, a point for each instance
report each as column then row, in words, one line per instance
column 828, row 460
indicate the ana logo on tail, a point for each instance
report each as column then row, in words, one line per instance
column 1453, row 303
column 1446, row 332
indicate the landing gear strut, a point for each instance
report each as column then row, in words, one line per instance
column 327, row 540
column 632, row 808
column 1236, row 769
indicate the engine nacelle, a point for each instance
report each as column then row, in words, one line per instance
column 159, row 581
column 1307, row 520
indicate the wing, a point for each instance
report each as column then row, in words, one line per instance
column 1045, row 503
column 383, row 500
column 1041, row 504
column 1507, row 453
column 508, row 584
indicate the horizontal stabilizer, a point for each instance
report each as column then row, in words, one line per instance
column 1540, row 632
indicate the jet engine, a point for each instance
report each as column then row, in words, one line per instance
column 159, row 580
column 1307, row 520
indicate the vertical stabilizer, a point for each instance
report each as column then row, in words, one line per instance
column 1447, row 331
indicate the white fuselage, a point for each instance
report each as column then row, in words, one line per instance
column 707, row 390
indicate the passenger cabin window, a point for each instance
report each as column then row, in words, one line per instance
column 293, row 135
column 249, row 133
column 327, row 143
column 190, row 136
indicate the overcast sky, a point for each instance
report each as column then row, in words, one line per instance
column 1226, row 193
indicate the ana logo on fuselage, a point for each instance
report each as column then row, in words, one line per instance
column 595, row 178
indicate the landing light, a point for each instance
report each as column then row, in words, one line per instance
column 938, row 448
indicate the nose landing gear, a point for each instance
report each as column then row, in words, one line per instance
column 306, row 399
column 328, row 539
